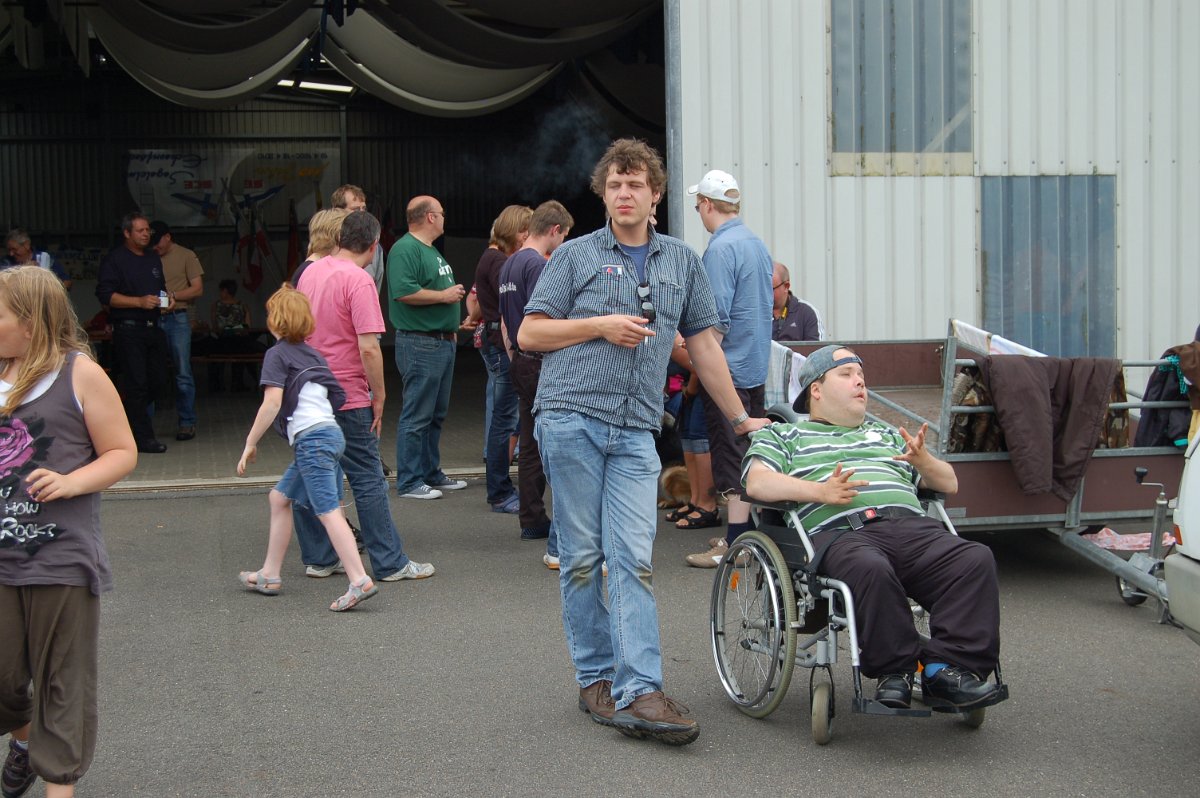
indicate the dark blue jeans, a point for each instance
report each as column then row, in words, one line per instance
column 363, row 468
column 427, row 368
column 179, row 339
column 503, row 423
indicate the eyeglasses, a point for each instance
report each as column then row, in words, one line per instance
column 438, row 213
column 643, row 291
column 777, row 285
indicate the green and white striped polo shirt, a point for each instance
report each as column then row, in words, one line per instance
column 811, row 450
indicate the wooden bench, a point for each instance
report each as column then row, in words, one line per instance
column 253, row 358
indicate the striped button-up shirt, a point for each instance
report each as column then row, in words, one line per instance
column 590, row 277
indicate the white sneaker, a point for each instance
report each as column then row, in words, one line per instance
column 422, row 492
column 448, row 484
column 551, row 561
column 321, row 573
column 414, row 570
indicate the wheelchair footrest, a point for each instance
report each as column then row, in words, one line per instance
column 936, row 705
column 869, row 706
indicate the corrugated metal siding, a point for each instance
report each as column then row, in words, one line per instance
column 880, row 257
column 753, row 95
column 1048, row 262
column 1078, row 87
column 1106, row 87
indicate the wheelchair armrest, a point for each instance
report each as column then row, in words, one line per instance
column 928, row 495
column 782, row 507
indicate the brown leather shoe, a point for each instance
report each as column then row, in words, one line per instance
column 654, row 715
column 596, row 700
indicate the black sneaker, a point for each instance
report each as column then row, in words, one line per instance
column 895, row 690
column 358, row 540
column 957, row 687
column 18, row 776
column 655, row 715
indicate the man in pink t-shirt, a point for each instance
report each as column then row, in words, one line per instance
column 346, row 308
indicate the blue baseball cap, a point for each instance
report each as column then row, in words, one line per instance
column 814, row 367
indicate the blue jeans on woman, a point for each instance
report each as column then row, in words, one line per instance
column 604, row 483
column 426, row 366
column 363, row 468
column 502, row 425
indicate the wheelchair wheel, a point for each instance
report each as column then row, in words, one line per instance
column 975, row 718
column 751, row 624
column 822, row 713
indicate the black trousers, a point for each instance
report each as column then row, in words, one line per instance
column 142, row 362
column 525, row 372
column 891, row 560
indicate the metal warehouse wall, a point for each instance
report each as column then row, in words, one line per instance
column 63, row 146
column 1078, row 87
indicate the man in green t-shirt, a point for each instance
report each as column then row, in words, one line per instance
column 856, row 482
column 424, row 310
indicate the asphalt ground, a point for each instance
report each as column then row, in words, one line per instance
column 461, row 684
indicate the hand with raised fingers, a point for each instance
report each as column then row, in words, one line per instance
column 839, row 488
column 916, row 451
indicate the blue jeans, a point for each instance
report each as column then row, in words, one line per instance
column 604, row 482
column 363, row 468
column 314, row 479
column 502, row 425
column 179, row 340
column 426, row 366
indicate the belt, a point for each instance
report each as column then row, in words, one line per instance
column 134, row 323
column 173, row 312
column 442, row 336
column 858, row 520
column 533, row 355
column 493, row 326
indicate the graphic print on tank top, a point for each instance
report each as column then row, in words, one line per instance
column 22, row 447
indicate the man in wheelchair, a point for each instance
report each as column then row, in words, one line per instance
column 857, row 483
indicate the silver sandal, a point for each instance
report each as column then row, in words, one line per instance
column 355, row 595
column 268, row 587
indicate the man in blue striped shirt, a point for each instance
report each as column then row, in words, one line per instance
column 606, row 311
column 856, row 482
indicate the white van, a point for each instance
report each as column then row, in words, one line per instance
column 1181, row 570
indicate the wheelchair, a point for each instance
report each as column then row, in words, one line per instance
column 770, row 614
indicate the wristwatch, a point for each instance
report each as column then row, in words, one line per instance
column 737, row 420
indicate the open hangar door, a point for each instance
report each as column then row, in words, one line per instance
column 231, row 122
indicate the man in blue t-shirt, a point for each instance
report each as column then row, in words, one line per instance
column 548, row 227
column 740, row 270
column 605, row 313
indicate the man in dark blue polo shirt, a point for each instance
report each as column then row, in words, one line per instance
column 131, row 285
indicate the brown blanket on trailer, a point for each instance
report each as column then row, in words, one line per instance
column 1051, row 411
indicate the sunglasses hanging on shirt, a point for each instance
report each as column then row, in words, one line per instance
column 643, row 291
